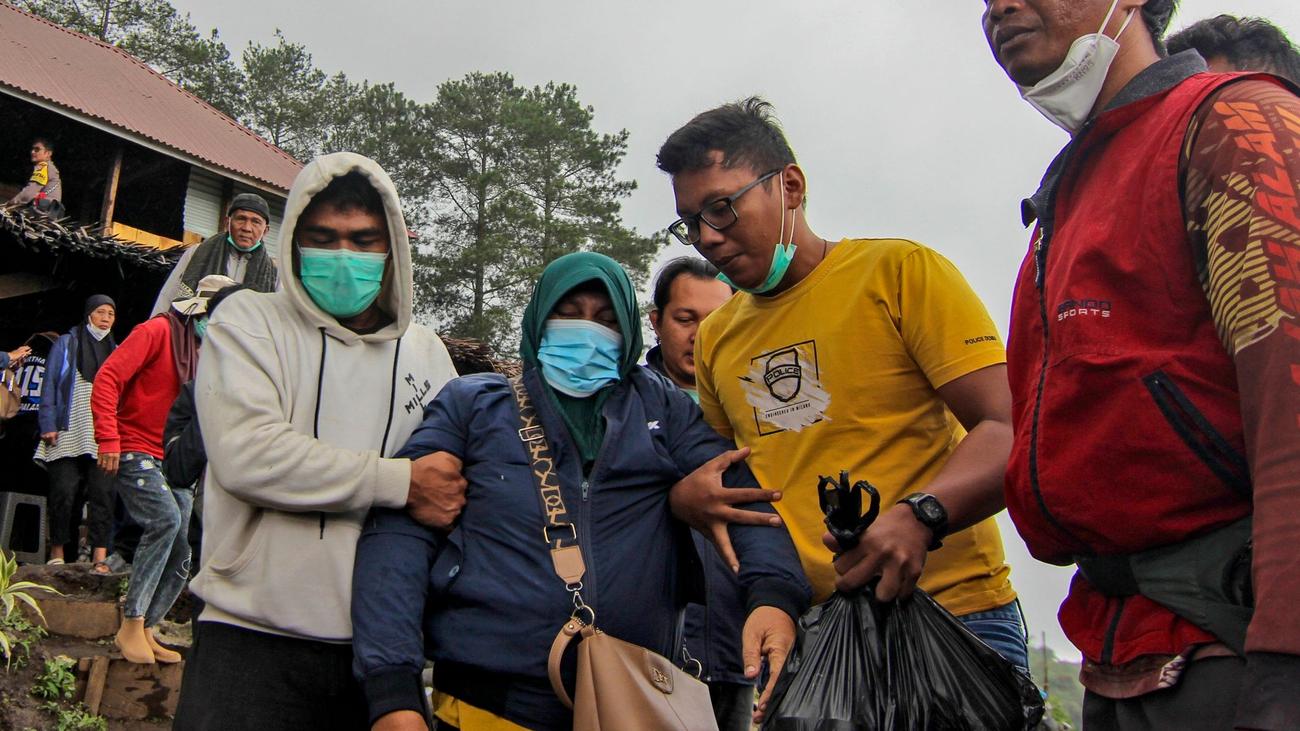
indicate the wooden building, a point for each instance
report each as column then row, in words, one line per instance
column 147, row 169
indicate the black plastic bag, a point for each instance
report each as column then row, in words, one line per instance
column 861, row 665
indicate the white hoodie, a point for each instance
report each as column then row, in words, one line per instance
column 300, row 417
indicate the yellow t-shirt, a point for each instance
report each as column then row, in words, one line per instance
column 840, row 373
column 465, row 717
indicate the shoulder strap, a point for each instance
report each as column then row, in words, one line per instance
column 567, row 559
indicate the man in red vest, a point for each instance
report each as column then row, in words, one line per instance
column 1154, row 359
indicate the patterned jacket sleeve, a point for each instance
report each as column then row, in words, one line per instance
column 1242, row 207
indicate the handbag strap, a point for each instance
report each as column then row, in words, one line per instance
column 565, row 559
column 571, row 629
column 558, row 531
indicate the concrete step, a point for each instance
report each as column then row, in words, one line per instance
column 74, row 616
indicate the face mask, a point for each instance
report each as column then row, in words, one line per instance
column 340, row 281
column 200, row 327
column 97, row 333
column 1068, row 94
column 781, row 258
column 579, row 357
column 231, row 240
column 695, row 395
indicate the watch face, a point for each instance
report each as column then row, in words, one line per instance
column 931, row 509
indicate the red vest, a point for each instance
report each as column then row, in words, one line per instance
column 1128, row 431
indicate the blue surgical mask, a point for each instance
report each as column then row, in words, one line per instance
column 201, row 327
column 341, row 281
column 579, row 357
column 781, row 258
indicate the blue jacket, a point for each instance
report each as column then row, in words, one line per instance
column 484, row 602
column 713, row 629
column 56, row 389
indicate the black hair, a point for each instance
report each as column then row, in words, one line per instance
column 43, row 142
column 745, row 132
column 1249, row 44
column 349, row 192
column 220, row 296
column 692, row 266
column 1156, row 14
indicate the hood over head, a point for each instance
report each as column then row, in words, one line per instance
column 568, row 272
column 94, row 302
column 396, row 295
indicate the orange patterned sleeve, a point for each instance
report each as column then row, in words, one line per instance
column 1242, row 207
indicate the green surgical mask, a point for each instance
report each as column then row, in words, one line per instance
column 231, row 240
column 782, row 255
column 201, row 327
column 341, row 281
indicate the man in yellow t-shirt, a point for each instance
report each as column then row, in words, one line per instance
column 867, row 355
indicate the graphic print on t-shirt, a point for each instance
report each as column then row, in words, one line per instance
column 784, row 387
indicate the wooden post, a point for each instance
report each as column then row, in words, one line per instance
column 110, row 191
column 95, row 683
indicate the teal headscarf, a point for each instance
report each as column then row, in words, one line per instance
column 582, row 415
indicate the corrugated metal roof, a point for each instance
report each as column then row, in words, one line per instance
column 96, row 80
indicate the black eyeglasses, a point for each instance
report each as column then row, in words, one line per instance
column 717, row 215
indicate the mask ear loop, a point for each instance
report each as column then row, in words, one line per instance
column 794, row 217
column 1110, row 14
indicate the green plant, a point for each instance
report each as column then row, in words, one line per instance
column 78, row 718
column 57, row 681
column 22, row 635
column 11, row 593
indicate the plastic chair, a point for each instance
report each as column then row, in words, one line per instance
column 22, row 526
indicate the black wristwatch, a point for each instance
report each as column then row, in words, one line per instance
column 931, row 514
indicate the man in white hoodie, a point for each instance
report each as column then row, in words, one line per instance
column 303, row 395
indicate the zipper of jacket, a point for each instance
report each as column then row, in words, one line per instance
column 1108, row 643
column 1200, row 436
column 1040, row 283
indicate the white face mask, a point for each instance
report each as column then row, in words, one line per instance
column 1067, row 95
column 97, row 333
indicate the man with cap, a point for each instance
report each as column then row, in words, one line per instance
column 236, row 252
column 133, row 391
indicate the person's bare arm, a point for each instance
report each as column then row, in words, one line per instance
column 969, row 487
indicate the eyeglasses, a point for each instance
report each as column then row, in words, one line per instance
column 717, row 215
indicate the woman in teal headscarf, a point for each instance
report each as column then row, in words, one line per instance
column 484, row 601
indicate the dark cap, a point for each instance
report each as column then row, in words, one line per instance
column 95, row 301
column 250, row 202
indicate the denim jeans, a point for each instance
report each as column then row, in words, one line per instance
column 162, row 560
column 733, row 705
column 1003, row 629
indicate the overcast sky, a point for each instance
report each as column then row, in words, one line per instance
column 897, row 112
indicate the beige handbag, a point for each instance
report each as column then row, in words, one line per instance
column 620, row 685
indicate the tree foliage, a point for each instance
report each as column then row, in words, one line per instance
column 519, row 178
column 497, row 180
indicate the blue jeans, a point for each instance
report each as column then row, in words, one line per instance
column 1003, row 629
column 162, row 560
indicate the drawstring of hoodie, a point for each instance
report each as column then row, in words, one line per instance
column 392, row 397
column 320, row 388
column 315, row 420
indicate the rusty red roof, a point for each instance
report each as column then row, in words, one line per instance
column 75, row 73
